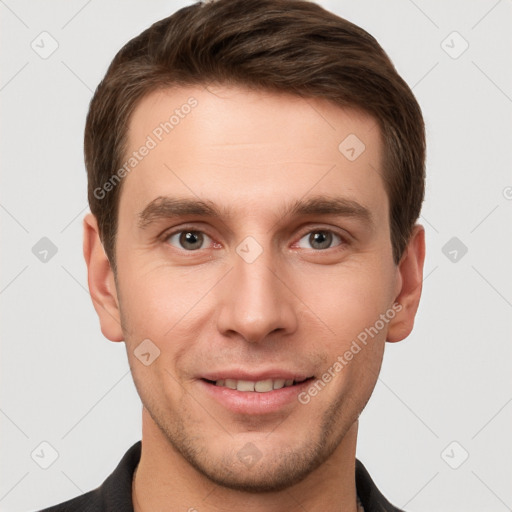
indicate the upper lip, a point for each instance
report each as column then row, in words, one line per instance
column 237, row 374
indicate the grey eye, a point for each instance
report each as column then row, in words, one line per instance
column 189, row 240
column 320, row 239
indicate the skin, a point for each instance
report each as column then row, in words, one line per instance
column 296, row 307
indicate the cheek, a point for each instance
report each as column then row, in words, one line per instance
column 145, row 306
column 346, row 300
column 162, row 304
column 155, row 308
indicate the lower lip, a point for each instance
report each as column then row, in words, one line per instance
column 253, row 402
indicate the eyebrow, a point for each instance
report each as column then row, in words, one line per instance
column 165, row 207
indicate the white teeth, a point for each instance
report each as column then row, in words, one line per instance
column 245, row 385
column 261, row 386
column 264, row 386
column 278, row 383
column 230, row 383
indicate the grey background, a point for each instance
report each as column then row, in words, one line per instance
column 62, row 383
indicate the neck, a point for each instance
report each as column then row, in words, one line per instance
column 164, row 479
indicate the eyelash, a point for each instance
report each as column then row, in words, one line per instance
column 343, row 239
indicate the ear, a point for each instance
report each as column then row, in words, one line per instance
column 410, row 279
column 101, row 281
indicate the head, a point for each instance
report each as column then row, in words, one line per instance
column 256, row 171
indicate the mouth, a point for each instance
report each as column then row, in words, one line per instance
column 257, row 386
column 255, row 395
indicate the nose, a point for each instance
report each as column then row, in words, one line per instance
column 256, row 302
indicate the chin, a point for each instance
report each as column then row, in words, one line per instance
column 271, row 473
column 254, row 467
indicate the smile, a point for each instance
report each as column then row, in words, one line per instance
column 254, row 395
column 260, row 386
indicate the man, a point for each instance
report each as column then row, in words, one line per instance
column 256, row 171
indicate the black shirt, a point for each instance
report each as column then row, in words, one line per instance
column 115, row 494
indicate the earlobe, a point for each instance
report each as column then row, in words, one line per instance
column 410, row 271
column 100, row 278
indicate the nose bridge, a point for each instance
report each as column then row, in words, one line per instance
column 255, row 302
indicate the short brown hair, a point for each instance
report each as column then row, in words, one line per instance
column 292, row 46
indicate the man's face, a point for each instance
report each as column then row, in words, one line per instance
column 251, row 249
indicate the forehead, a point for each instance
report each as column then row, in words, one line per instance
column 232, row 144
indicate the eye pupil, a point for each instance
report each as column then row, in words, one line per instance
column 191, row 240
column 320, row 239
